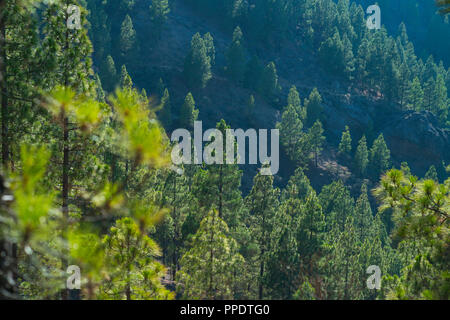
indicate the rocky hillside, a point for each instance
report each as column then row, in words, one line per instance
column 414, row 137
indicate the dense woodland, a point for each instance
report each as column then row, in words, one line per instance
column 85, row 151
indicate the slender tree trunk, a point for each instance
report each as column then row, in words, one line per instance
column 261, row 266
column 8, row 251
column 211, row 254
column 175, row 235
column 3, row 87
column 346, row 282
column 261, row 274
column 220, row 192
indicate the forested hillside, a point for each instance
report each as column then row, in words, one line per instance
column 92, row 208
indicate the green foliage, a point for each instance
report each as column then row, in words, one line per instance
column 345, row 146
column 125, row 79
column 294, row 100
column 159, row 9
column 415, row 94
column 336, row 201
column 32, row 203
column 208, row 269
column 337, row 55
column 143, row 139
column 188, row 113
column 432, row 174
column 109, row 74
column 379, row 157
column 262, row 203
column 197, row 66
column 290, row 129
column 236, row 57
column 316, row 139
column 130, row 258
column 421, row 209
column 128, row 38
column 80, row 166
column 314, row 108
column 362, row 156
column 268, row 85
column 305, row 292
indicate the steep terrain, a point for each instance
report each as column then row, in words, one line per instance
column 414, row 137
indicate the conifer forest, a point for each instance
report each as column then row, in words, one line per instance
column 225, row 149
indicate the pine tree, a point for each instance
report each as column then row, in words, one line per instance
column 379, row 157
column 362, row 156
column 132, row 257
column 337, row 55
column 294, row 100
column 363, row 215
column 432, row 174
column 349, row 60
column 207, row 268
column 314, row 108
column 290, row 130
column 345, row 146
column 310, row 228
column 337, row 203
column 298, row 185
column 404, row 75
column 415, row 94
column 236, row 57
column 361, row 72
column 316, row 139
column 100, row 94
column 125, row 79
column 188, row 113
column 219, row 185
column 20, row 75
column 262, row 203
column 197, row 66
column 284, row 259
column 438, row 98
column 109, row 74
column 305, row 292
column 176, row 198
column 128, row 40
column 210, row 49
column 421, row 225
column 391, row 83
column 342, row 266
column 269, row 81
column 159, row 9
column 68, row 57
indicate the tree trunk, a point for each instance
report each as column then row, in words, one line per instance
column 261, row 273
column 220, row 192
column 3, row 88
column 175, row 235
